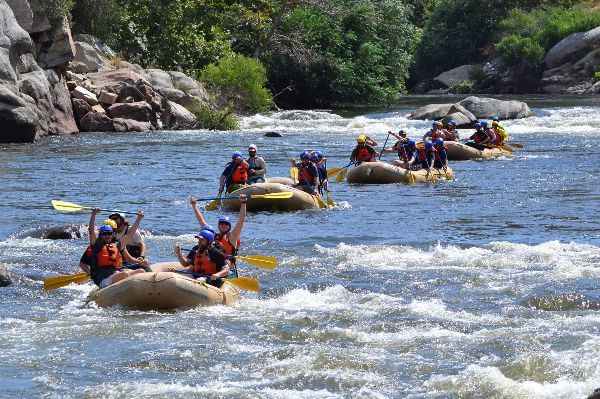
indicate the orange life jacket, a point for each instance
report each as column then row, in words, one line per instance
column 363, row 154
column 239, row 175
column 437, row 133
column 304, row 175
column 223, row 240
column 109, row 256
column 203, row 264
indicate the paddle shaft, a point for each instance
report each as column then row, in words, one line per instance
column 88, row 208
column 384, row 144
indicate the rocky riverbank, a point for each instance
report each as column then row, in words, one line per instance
column 52, row 83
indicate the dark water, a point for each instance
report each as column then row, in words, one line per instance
column 486, row 286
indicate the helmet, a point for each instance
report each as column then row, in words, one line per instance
column 304, row 154
column 439, row 141
column 439, row 123
column 208, row 227
column 477, row 124
column 111, row 223
column 495, row 123
column 452, row 123
column 483, row 123
column 361, row 139
column 428, row 144
column 236, row 154
column 411, row 143
column 105, row 229
column 225, row 219
column 318, row 154
column 252, row 147
column 207, row 235
column 496, row 118
column 434, row 123
column 119, row 214
column 314, row 157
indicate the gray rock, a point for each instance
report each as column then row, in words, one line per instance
column 80, row 108
column 87, row 55
column 151, row 97
column 176, row 116
column 159, row 79
column 78, row 67
column 273, row 134
column 130, row 125
column 125, row 90
column 431, row 111
column 27, row 63
column 18, row 121
column 96, row 122
column 14, row 42
column 61, row 49
column 22, row 12
column 594, row 89
column 40, row 21
column 488, row 107
column 112, row 80
column 139, row 111
column 462, row 121
column 455, row 76
column 174, row 95
column 84, row 94
column 183, row 82
column 96, row 43
column 107, row 98
column 457, row 108
column 572, row 48
column 5, row 277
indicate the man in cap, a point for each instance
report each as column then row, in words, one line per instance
column 257, row 167
column 136, row 246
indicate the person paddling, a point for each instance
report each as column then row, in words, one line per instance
column 364, row 151
column 435, row 132
column 499, row 132
column 441, row 154
column 400, row 147
column 106, row 256
column 479, row 138
column 320, row 163
column 235, row 174
column 427, row 155
column 257, row 167
column 450, row 133
column 205, row 259
column 308, row 175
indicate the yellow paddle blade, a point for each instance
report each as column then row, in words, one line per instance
column 333, row 171
column 213, row 205
column 68, row 206
column 283, row 195
column 516, row 145
column 411, row 178
column 245, row 283
column 53, row 283
column 266, row 262
column 434, row 179
column 294, row 174
column 341, row 176
column 330, row 202
column 320, row 202
column 505, row 148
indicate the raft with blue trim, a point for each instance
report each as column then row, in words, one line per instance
column 300, row 200
column 462, row 152
column 382, row 173
column 162, row 289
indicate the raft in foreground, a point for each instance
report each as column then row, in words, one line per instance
column 164, row 290
column 381, row 173
column 300, row 200
column 462, row 152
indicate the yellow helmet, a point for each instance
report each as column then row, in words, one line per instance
column 361, row 139
column 439, row 123
column 495, row 123
column 111, row 223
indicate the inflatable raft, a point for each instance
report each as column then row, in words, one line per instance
column 164, row 290
column 381, row 172
column 282, row 180
column 300, row 200
column 462, row 152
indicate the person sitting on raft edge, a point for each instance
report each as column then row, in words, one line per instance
column 205, row 259
column 106, row 256
column 235, row 174
column 257, row 167
column 308, row 175
column 364, row 151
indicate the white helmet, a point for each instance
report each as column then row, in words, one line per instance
column 252, row 147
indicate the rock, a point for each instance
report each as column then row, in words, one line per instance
column 71, row 85
column 595, row 395
column 61, row 49
column 27, row 63
column 40, row 21
column 457, row 108
column 112, row 80
column 125, row 90
column 107, row 98
column 96, row 43
column 455, row 76
column 14, row 42
column 87, row 55
column 98, row 108
column 130, row 125
column 273, row 134
column 18, row 120
column 84, row 94
column 183, row 82
column 5, row 277
column 139, row 111
column 22, row 12
column 594, row 89
column 78, row 67
column 462, row 121
column 80, row 108
column 431, row 111
column 96, row 122
column 176, row 116
column 483, row 108
column 58, row 233
column 174, row 95
column 158, row 78
column 572, row 48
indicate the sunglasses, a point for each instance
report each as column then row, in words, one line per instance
column 106, row 233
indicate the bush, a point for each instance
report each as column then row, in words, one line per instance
column 239, row 80
column 54, row 9
column 515, row 49
column 211, row 118
column 597, row 76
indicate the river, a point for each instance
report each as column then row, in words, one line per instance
column 481, row 287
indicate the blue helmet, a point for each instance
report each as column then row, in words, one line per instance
column 496, row 118
column 207, row 235
column 317, row 154
column 208, row 227
column 236, row 154
column 434, row 124
column 411, row 143
column 477, row 124
column 428, row 144
column 484, row 123
column 304, row 154
column 225, row 219
column 439, row 141
column 452, row 123
column 105, row 229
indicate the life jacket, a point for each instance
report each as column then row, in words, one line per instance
column 403, row 153
column 304, row 176
column 451, row 135
column 501, row 135
column 222, row 244
column 239, row 175
column 490, row 134
column 203, row 264
column 423, row 153
column 435, row 134
column 363, row 154
column 108, row 256
column 479, row 136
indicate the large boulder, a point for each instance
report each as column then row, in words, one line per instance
column 96, row 43
column 430, row 111
column 6, row 278
column 96, row 122
column 23, row 13
column 130, row 125
column 176, row 86
column 572, row 48
column 59, row 49
column 176, row 116
column 139, row 111
column 80, row 108
column 14, row 42
column 483, row 108
column 455, row 76
column 18, row 120
column 40, row 20
column 87, row 55
column 113, row 79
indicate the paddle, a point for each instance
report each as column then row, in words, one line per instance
column 245, row 283
column 266, row 262
column 330, row 202
column 70, row 207
column 294, row 174
column 214, row 204
column 384, row 144
column 320, row 201
column 516, row 145
column 217, row 200
column 52, row 283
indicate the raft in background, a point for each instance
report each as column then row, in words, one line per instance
column 462, row 152
column 381, row 173
column 300, row 200
column 164, row 290
column 282, row 180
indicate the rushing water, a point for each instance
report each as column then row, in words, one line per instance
column 482, row 287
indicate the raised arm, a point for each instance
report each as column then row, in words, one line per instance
column 92, row 225
column 132, row 230
column 183, row 261
column 237, row 230
column 199, row 216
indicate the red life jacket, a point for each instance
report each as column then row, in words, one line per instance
column 423, row 152
column 239, row 175
column 363, row 154
column 109, row 256
column 223, row 241
column 304, row 176
column 479, row 136
column 436, row 134
column 203, row 264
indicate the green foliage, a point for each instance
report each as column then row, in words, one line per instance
column 212, row 118
column 239, row 80
column 516, row 49
column 54, row 9
column 107, row 20
column 597, row 76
